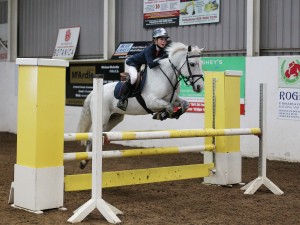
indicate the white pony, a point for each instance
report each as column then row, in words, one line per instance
column 160, row 92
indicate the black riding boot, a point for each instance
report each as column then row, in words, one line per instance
column 125, row 91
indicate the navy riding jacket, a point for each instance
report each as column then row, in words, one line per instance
column 146, row 57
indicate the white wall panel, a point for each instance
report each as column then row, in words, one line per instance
column 280, row 27
column 39, row 22
column 3, row 12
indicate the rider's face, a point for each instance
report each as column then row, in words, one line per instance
column 161, row 41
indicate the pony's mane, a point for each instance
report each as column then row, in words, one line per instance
column 176, row 47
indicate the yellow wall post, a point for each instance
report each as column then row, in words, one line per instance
column 39, row 173
column 227, row 156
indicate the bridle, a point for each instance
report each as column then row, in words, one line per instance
column 189, row 81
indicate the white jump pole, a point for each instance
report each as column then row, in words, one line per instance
column 96, row 202
column 262, row 179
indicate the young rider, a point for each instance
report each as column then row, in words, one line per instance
column 150, row 56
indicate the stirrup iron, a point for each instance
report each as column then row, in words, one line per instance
column 122, row 104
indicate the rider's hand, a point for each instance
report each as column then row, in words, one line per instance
column 156, row 60
column 164, row 56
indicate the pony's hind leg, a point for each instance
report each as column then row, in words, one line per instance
column 113, row 121
column 84, row 162
column 84, row 125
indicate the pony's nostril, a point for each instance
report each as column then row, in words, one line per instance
column 197, row 88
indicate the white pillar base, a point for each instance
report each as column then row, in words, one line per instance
column 252, row 187
column 107, row 210
column 228, row 168
column 37, row 189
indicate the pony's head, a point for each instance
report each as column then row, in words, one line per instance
column 187, row 62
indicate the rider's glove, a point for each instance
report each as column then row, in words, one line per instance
column 156, row 60
column 164, row 56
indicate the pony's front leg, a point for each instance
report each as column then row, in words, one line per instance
column 160, row 104
column 165, row 109
column 182, row 106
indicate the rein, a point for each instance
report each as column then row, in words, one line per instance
column 177, row 79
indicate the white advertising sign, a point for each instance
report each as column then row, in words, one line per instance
column 180, row 12
column 288, row 103
column 199, row 12
column 66, row 43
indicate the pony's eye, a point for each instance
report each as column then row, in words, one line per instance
column 192, row 64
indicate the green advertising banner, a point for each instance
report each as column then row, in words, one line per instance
column 218, row 64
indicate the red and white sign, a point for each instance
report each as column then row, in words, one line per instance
column 66, row 43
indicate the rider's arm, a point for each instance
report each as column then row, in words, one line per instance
column 151, row 62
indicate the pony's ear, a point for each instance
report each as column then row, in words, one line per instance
column 201, row 49
column 189, row 48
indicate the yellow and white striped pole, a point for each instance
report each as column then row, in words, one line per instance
column 39, row 172
column 227, row 156
column 163, row 134
column 71, row 156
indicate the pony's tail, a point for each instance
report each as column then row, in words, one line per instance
column 85, row 121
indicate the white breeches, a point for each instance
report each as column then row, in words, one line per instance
column 132, row 73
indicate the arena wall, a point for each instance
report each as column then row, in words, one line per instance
column 283, row 139
column 8, row 96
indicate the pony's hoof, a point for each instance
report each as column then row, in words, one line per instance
column 106, row 141
column 82, row 164
column 155, row 116
column 161, row 116
column 177, row 114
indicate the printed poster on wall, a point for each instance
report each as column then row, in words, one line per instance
column 79, row 78
column 289, row 88
column 180, row 12
column 3, row 42
column 217, row 64
column 66, row 43
column 127, row 49
column 288, row 104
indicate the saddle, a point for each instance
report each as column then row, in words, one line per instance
column 124, row 76
column 137, row 87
